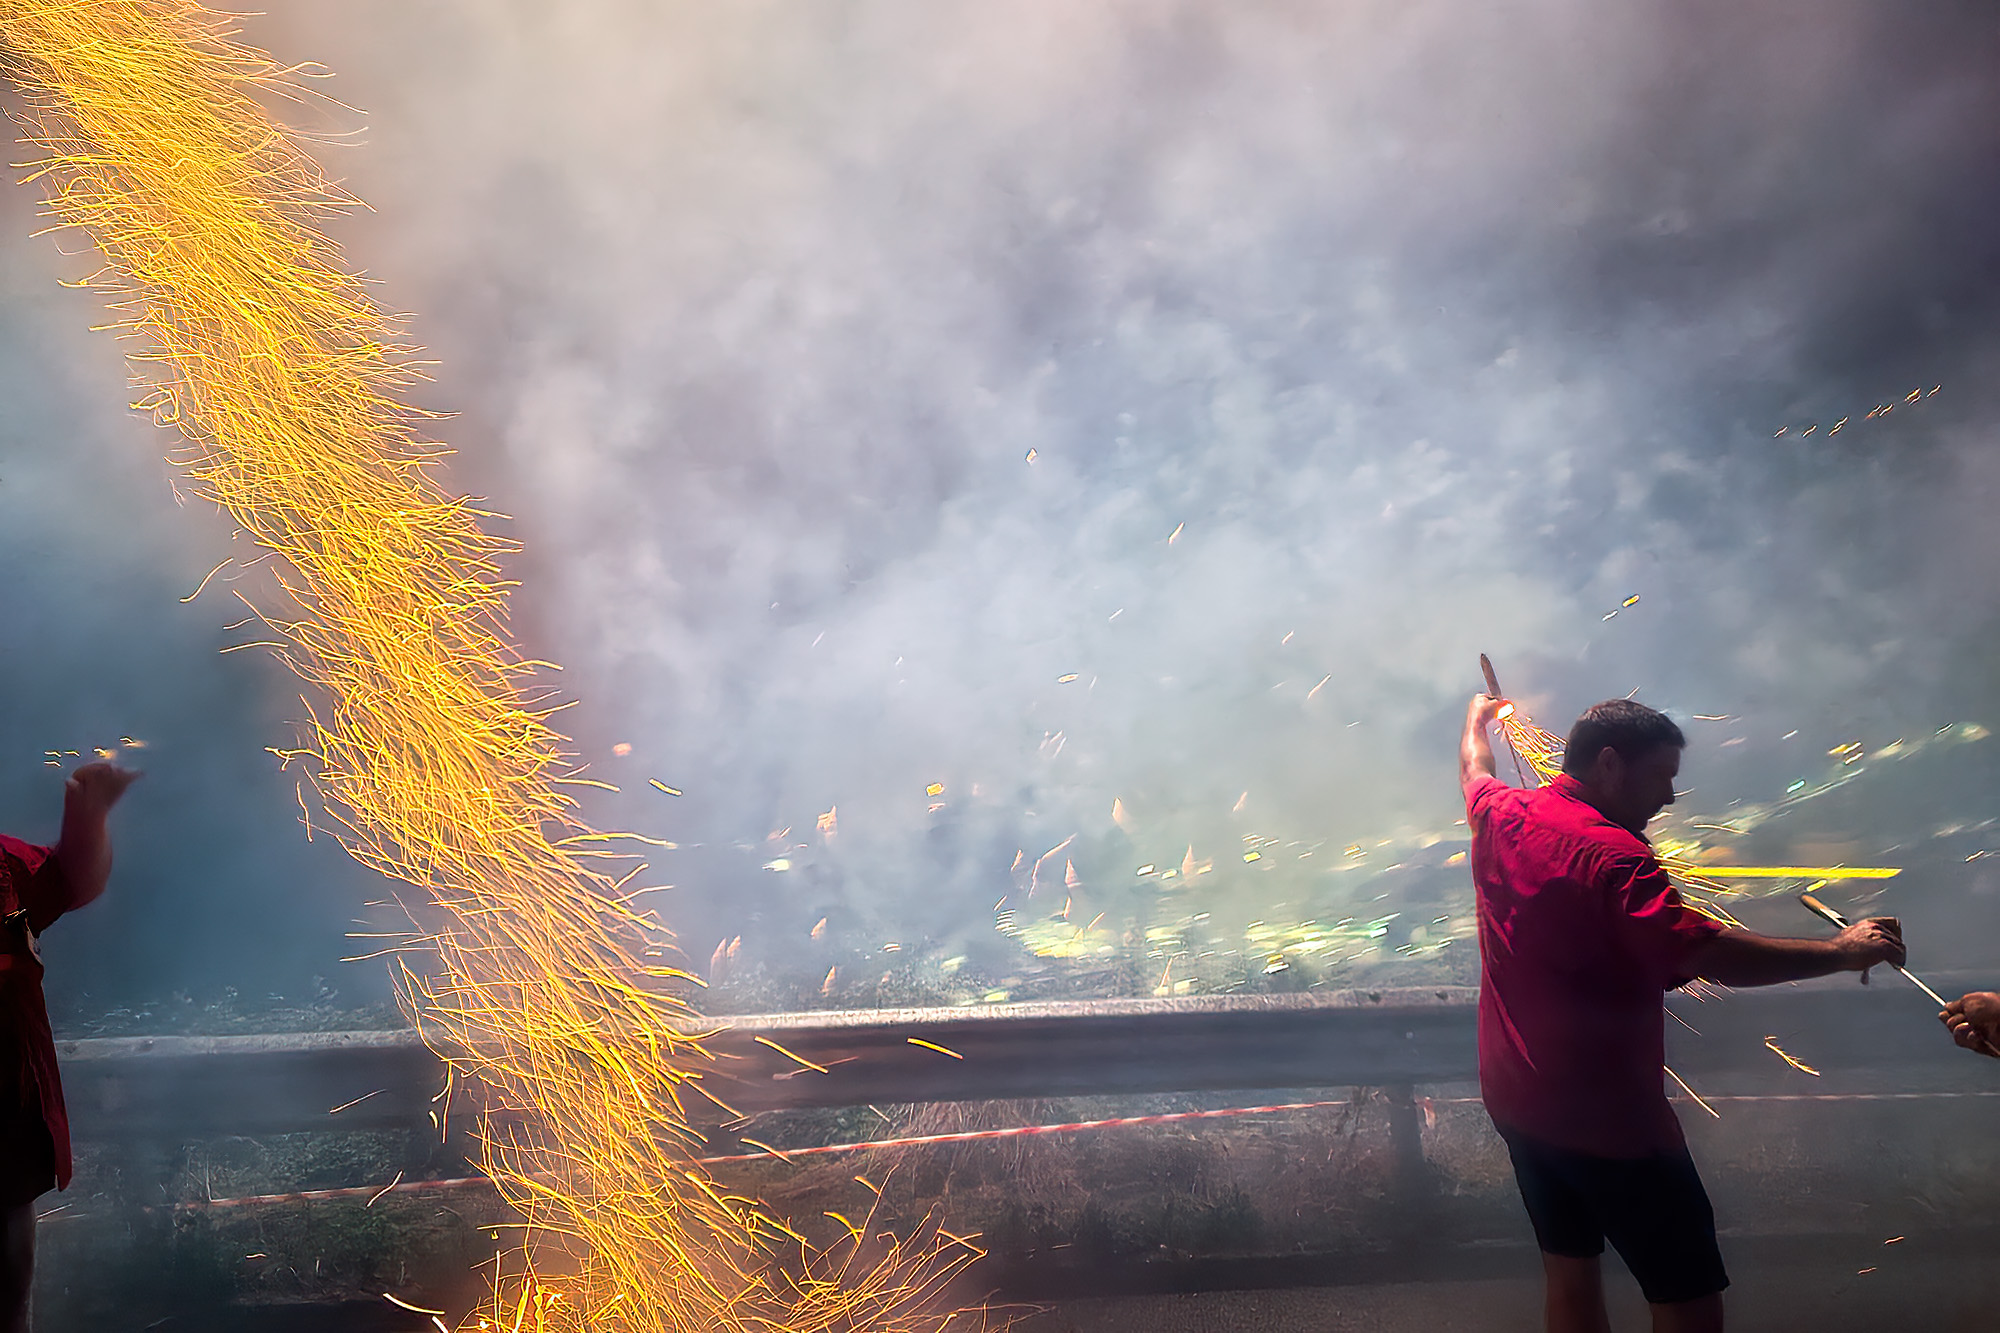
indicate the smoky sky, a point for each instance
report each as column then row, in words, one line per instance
column 1051, row 404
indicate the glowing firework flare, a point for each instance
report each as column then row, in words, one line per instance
column 438, row 770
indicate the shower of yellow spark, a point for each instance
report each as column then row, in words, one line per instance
column 422, row 739
column 1541, row 751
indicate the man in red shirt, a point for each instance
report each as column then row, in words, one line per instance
column 37, row 885
column 1580, row 936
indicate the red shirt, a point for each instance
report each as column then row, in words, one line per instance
column 30, row 879
column 1580, row 936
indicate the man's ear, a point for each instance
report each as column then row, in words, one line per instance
column 1609, row 767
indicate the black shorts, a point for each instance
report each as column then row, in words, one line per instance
column 27, row 1158
column 1653, row 1210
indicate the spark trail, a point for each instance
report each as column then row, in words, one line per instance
column 386, row 597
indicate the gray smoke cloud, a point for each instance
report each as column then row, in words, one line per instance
column 1165, row 403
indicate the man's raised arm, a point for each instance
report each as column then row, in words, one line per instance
column 84, row 849
column 1475, row 751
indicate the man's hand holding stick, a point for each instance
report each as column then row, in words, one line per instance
column 1974, row 1019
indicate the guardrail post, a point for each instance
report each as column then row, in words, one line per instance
column 1415, row 1179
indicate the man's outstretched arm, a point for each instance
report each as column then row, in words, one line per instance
column 1475, row 750
column 1745, row 958
column 84, row 849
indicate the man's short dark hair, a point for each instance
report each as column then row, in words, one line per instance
column 1626, row 725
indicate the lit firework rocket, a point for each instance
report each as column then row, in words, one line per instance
column 433, row 763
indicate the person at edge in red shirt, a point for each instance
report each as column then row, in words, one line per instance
column 1580, row 936
column 37, row 885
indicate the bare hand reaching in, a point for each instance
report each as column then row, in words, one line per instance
column 1974, row 1020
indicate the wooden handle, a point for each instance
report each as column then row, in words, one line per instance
column 1492, row 681
column 1821, row 910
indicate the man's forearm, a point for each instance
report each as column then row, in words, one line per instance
column 84, row 852
column 1475, row 751
column 1745, row 958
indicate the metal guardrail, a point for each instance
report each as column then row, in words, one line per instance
column 1392, row 1037
column 120, row 1086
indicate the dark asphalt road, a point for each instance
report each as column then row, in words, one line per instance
column 1929, row 1289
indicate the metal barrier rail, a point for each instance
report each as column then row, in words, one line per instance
column 1391, row 1037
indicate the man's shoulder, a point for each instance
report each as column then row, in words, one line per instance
column 1611, row 854
column 1596, row 844
column 19, row 849
column 1558, row 806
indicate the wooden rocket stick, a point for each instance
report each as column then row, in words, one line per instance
column 1821, row 910
column 1493, row 689
column 1825, row 913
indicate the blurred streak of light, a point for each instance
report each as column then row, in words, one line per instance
column 1692, row 1093
column 405, row 1305
column 1030, row 1131
column 1801, row 872
column 1771, row 1043
column 436, row 767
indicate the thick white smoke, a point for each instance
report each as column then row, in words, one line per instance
column 859, row 374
